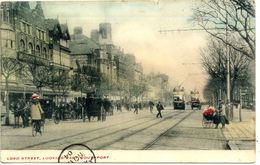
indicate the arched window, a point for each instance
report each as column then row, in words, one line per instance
column 44, row 52
column 30, row 48
column 22, row 46
column 37, row 50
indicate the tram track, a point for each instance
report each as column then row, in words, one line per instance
column 149, row 145
column 98, row 129
column 136, row 132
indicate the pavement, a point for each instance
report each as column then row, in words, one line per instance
column 241, row 135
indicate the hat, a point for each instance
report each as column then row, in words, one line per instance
column 35, row 96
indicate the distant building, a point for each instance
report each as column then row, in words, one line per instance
column 87, row 59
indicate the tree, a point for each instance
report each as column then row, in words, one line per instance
column 59, row 81
column 229, row 20
column 137, row 89
column 39, row 75
column 214, row 59
column 10, row 67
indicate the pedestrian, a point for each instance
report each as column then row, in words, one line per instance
column 26, row 114
column 36, row 112
column 159, row 107
column 220, row 117
column 136, row 108
column 151, row 104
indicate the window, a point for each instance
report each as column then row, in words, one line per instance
column 37, row 50
column 22, row 45
column 44, row 53
column 6, row 15
column 39, row 34
column 104, row 33
column 30, row 48
column 12, row 44
column 43, row 36
column 21, row 26
column 24, row 27
column 28, row 29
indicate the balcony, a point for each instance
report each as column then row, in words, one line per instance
column 32, row 59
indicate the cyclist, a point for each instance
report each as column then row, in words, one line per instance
column 36, row 112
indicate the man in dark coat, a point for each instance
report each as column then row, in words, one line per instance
column 159, row 107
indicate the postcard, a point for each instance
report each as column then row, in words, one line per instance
column 118, row 81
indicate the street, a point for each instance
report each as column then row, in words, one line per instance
column 176, row 130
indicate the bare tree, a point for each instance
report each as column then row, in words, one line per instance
column 10, row 67
column 39, row 74
column 59, row 80
column 214, row 62
column 211, row 90
column 227, row 20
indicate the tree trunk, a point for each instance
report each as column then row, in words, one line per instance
column 7, row 121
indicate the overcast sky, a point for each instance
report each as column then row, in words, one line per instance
column 135, row 28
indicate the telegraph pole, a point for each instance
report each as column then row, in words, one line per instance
column 229, row 115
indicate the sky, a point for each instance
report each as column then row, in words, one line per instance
column 136, row 28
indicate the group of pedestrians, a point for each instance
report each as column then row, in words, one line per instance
column 159, row 108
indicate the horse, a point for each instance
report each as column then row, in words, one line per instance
column 26, row 115
column 19, row 111
column 108, row 107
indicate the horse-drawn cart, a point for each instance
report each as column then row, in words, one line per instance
column 94, row 108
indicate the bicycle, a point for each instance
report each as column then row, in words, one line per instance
column 39, row 130
column 56, row 116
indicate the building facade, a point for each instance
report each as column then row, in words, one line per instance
column 36, row 44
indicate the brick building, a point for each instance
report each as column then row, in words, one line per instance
column 33, row 49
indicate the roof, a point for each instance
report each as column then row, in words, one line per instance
column 51, row 23
column 65, row 31
column 62, row 32
column 82, row 44
column 34, row 16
